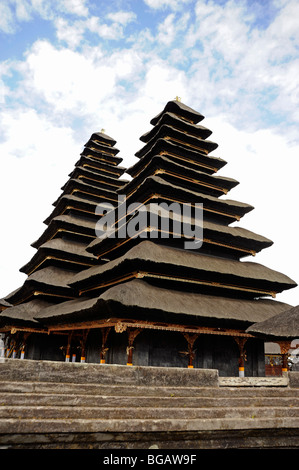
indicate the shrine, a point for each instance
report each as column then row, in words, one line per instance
column 158, row 295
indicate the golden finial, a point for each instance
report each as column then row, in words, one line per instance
column 178, row 98
column 103, row 131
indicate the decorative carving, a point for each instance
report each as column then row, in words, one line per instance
column 120, row 327
column 190, row 338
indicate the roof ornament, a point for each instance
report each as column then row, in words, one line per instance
column 103, row 131
column 178, row 98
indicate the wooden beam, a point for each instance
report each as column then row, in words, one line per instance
column 124, row 323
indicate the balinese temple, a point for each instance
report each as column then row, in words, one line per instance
column 282, row 330
column 61, row 249
column 142, row 294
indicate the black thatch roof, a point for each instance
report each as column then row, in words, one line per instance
column 171, row 119
column 226, row 210
column 97, row 179
column 137, row 298
column 61, row 223
column 182, row 175
column 69, row 252
column 149, row 256
column 87, row 190
column 236, row 240
column 181, row 110
column 51, row 280
column 279, row 326
column 70, row 203
column 182, row 155
column 181, row 138
column 100, row 167
column 23, row 315
column 103, row 138
column 102, row 154
column 4, row 304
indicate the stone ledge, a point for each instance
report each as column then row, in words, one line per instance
column 294, row 379
column 253, row 381
column 52, row 371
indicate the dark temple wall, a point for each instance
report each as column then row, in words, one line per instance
column 156, row 348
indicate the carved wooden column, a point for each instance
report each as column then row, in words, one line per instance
column 284, row 349
column 82, row 344
column 68, row 347
column 105, row 332
column 242, row 354
column 132, row 335
column 190, row 338
column 23, row 344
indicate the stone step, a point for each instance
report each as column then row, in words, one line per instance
column 153, row 391
column 97, row 412
column 26, row 426
column 56, row 399
column 254, row 381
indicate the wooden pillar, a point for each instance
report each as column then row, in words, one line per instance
column 13, row 344
column 23, row 344
column 105, row 332
column 132, row 335
column 242, row 354
column 68, row 347
column 190, row 338
column 82, row 344
column 2, row 345
column 284, row 349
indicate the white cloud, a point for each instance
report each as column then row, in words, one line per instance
column 171, row 27
column 267, row 168
column 122, row 17
column 76, row 7
column 161, row 4
column 6, row 18
column 216, row 57
column 67, row 80
column 71, row 34
column 37, row 157
column 13, row 12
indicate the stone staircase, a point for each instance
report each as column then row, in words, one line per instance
column 50, row 405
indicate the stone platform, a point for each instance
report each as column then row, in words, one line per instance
column 52, row 405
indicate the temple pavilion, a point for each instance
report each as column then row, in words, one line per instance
column 138, row 294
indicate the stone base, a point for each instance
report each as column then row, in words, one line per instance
column 68, row 372
column 253, row 381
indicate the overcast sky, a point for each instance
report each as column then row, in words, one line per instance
column 69, row 68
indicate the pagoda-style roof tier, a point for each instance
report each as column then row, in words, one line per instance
column 183, row 270
column 4, row 304
column 155, row 189
column 101, row 148
column 181, row 138
column 183, row 176
column 221, row 240
column 22, row 316
column 91, row 164
column 76, row 228
column 178, row 154
column 85, row 190
column 136, row 299
column 102, row 154
column 174, row 121
column 96, row 179
column 284, row 325
column 50, row 282
column 102, row 139
column 181, row 110
column 61, row 253
column 74, row 205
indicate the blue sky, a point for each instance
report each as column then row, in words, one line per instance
column 71, row 67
